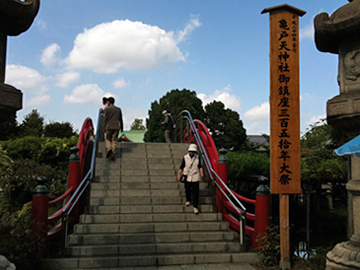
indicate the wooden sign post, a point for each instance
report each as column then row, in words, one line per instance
column 285, row 176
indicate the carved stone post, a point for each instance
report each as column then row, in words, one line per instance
column 338, row 34
column 15, row 18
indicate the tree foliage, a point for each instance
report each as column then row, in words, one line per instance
column 59, row 130
column 174, row 102
column 24, row 157
column 33, row 124
column 22, row 160
column 137, row 125
column 318, row 164
column 241, row 168
column 225, row 126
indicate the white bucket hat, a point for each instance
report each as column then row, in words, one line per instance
column 192, row 148
column 164, row 111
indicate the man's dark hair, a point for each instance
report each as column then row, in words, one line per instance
column 111, row 100
column 105, row 100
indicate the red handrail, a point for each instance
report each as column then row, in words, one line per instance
column 86, row 133
column 41, row 203
column 244, row 199
column 228, row 209
column 67, row 193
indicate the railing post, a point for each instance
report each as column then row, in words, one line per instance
column 188, row 133
column 223, row 173
column 262, row 209
column 74, row 180
column 242, row 221
column 40, row 209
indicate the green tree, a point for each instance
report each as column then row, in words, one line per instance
column 318, row 164
column 225, row 126
column 137, row 124
column 174, row 101
column 59, row 130
column 33, row 124
column 242, row 167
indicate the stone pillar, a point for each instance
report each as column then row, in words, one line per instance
column 15, row 18
column 338, row 34
column 346, row 255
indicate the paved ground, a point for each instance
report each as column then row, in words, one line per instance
column 224, row 266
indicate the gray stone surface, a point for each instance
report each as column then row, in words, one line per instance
column 141, row 220
column 5, row 264
column 338, row 34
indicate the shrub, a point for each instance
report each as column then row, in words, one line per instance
column 15, row 241
column 33, row 157
column 51, row 151
column 270, row 245
column 18, row 185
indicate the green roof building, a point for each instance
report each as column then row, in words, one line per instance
column 135, row 136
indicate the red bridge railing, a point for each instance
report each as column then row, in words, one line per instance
column 226, row 199
column 41, row 220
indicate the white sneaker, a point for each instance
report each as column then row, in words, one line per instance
column 196, row 211
column 187, row 203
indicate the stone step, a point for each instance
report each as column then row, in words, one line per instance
column 142, row 185
column 144, row 200
column 133, row 179
column 102, row 193
column 138, row 217
column 137, row 209
column 152, row 237
column 137, row 172
column 142, row 218
column 150, row 227
column 152, row 249
column 118, row 262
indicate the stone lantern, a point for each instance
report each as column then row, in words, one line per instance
column 16, row 16
column 339, row 34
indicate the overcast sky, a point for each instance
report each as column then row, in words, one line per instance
column 76, row 52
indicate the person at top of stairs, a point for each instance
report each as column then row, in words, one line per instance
column 191, row 166
column 169, row 126
column 113, row 122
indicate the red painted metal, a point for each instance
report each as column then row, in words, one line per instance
column 62, row 197
column 220, row 197
column 244, row 199
column 262, row 202
column 56, row 216
column 250, row 216
column 74, row 181
column 54, row 232
column 87, row 131
column 208, row 143
column 262, row 214
column 235, row 225
column 39, row 217
column 41, row 204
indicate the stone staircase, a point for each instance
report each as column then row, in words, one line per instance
column 137, row 216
